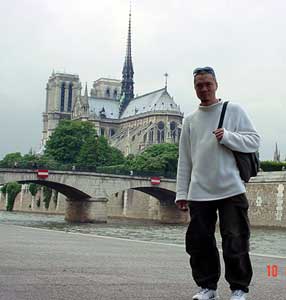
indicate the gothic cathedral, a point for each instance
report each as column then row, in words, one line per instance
column 129, row 123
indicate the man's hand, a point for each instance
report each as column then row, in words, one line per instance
column 219, row 133
column 182, row 205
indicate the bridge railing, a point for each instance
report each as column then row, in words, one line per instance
column 92, row 169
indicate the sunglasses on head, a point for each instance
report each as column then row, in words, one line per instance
column 207, row 70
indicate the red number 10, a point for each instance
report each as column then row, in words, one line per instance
column 272, row 270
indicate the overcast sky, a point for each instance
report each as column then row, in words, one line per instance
column 244, row 41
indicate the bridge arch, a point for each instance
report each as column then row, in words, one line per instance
column 165, row 196
column 69, row 191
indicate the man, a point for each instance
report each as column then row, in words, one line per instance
column 208, row 181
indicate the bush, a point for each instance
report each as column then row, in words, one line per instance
column 12, row 190
column 268, row 166
column 33, row 188
column 47, row 196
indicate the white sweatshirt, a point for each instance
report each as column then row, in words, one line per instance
column 206, row 168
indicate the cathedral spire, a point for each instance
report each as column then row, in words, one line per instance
column 166, row 80
column 127, row 83
column 85, row 91
column 85, row 104
column 276, row 153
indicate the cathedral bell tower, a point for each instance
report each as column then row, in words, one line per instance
column 127, row 89
column 62, row 91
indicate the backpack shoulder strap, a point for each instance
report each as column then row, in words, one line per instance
column 222, row 114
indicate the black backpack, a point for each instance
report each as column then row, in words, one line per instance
column 247, row 163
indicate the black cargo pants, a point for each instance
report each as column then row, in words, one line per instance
column 235, row 232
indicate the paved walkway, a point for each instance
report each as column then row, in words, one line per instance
column 37, row 264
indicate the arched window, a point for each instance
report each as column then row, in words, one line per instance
column 151, row 136
column 111, row 132
column 173, row 125
column 63, row 96
column 107, row 93
column 102, row 131
column 70, row 97
column 145, row 138
column 160, row 132
column 115, row 94
column 160, row 125
column 173, row 129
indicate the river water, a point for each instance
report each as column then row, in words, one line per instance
column 264, row 241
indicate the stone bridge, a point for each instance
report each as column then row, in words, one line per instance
column 87, row 193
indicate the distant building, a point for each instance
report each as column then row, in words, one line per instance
column 130, row 123
column 276, row 154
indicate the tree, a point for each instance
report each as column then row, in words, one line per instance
column 28, row 160
column 97, row 152
column 10, row 159
column 47, row 196
column 159, row 157
column 87, row 156
column 107, row 155
column 12, row 189
column 67, row 140
column 33, row 188
column 72, row 143
column 117, row 156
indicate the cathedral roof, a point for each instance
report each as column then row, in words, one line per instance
column 111, row 107
column 159, row 100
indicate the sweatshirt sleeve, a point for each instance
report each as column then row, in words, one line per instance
column 184, row 164
column 245, row 138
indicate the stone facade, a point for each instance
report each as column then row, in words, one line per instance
column 106, row 88
column 152, row 118
column 267, row 199
column 137, row 133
